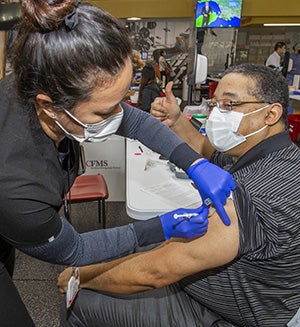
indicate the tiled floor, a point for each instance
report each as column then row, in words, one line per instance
column 36, row 280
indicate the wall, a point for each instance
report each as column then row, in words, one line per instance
column 254, row 11
column 256, row 43
column 270, row 11
column 252, row 46
column 152, row 34
column 147, row 8
column 219, row 48
column 149, row 36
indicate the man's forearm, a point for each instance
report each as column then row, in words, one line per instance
column 142, row 271
column 122, row 277
column 89, row 274
column 184, row 129
column 189, row 134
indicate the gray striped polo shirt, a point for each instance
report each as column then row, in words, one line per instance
column 261, row 287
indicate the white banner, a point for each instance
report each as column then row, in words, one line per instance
column 108, row 159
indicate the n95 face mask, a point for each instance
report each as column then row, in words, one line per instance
column 98, row 132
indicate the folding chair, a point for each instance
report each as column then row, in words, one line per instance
column 88, row 188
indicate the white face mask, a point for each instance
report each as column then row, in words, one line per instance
column 221, row 128
column 98, row 132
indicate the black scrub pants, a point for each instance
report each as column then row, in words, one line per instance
column 13, row 312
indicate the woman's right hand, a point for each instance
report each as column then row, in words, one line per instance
column 166, row 109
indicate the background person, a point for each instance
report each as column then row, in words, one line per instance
column 137, row 65
column 295, row 65
column 164, row 68
column 149, row 89
column 72, row 68
column 286, row 63
column 275, row 59
column 246, row 274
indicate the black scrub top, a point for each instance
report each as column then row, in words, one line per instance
column 33, row 180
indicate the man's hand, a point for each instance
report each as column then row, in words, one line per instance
column 185, row 223
column 166, row 109
column 214, row 185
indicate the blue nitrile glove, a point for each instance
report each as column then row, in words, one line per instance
column 214, row 185
column 185, row 223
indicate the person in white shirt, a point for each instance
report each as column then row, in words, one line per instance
column 164, row 68
column 274, row 60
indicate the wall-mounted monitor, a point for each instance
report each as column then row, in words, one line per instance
column 218, row 13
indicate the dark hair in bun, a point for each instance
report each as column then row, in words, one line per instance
column 46, row 15
column 67, row 64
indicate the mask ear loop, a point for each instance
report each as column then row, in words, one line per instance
column 257, row 110
column 261, row 129
column 59, row 125
column 76, row 119
column 256, row 132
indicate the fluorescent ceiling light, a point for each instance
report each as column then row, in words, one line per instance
column 283, row 24
column 134, row 18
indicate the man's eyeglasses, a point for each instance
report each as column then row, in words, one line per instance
column 228, row 105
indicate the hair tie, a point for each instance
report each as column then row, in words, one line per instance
column 71, row 20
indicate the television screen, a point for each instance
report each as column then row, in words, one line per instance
column 218, row 13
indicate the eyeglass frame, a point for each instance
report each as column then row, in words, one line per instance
column 232, row 104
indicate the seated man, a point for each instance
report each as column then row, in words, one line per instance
column 244, row 274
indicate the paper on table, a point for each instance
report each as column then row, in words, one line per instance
column 179, row 196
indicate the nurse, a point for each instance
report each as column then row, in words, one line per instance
column 71, row 69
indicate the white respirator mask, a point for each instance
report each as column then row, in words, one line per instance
column 221, row 128
column 97, row 132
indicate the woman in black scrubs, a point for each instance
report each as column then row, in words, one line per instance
column 71, row 69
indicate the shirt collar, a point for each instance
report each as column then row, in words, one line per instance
column 271, row 144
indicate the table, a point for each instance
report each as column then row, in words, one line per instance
column 151, row 187
column 294, row 96
column 214, row 79
column 295, row 102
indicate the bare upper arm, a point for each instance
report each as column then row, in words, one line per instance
column 179, row 258
column 169, row 263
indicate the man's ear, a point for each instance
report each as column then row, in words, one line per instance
column 44, row 103
column 274, row 114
